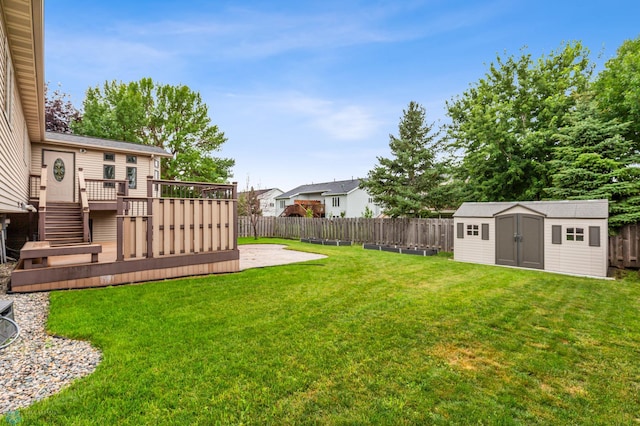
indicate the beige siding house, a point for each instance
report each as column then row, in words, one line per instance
column 108, row 166
column 559, row 236
column 88, row 212
column 21, row 100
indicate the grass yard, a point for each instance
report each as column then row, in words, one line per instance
column 361, row 337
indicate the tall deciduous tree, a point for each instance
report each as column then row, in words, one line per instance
column 504, row 124
column 59, row 112
column 617, row 88
column 170, row 117
column 403, row 184
column 593, row 160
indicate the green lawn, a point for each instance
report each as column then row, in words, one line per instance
column 361, row 337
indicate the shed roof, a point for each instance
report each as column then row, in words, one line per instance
column 340, row 187
column 577, row 209
column 103, row 144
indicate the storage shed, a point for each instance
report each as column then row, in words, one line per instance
column 558, row 236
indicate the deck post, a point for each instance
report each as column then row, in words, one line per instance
column 234, row 219
column 120, row 230
column 149, row 225
column 149, row 186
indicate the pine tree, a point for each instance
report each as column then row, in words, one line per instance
column 403, row 183
column 594, row 161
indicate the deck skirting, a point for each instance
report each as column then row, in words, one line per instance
column 124, row 272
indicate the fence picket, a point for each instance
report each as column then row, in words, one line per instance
column 436, row 233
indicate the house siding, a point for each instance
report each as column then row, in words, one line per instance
column 104, row 226
column 92, row 162
column 268, row 202
column 14, row 139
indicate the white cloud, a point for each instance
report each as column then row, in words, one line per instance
column 338, row 120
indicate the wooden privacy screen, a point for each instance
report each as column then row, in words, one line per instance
column 181, row 226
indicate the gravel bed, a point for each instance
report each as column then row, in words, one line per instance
column 38, row 365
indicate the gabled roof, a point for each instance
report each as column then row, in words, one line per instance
column 577, row 209
column 260, row 192
column 325, row 189
column 67, row 139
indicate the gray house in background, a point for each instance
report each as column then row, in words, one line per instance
column 558, row 236
column 342, row 198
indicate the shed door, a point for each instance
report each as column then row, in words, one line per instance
column 520, row 241
column 60, row 175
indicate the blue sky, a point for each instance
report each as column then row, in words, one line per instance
column 310, row 91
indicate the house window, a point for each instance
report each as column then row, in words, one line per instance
column 156, row 174
column 575, row 234
column 132, row 177
column 132, row 159
column 109, row 172
column 472, row 230
column 109, row 156
column 335, row 202
column 156, row 164
column 282, row 204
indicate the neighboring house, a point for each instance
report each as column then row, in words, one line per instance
column 342, row 198
column 88, row 212
column 267, row 198
column 559, row 236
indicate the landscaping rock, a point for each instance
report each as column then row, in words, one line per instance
column 38, row 365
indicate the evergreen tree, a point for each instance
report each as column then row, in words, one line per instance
column 504, row 124
column 403, row 184
column 593, row 160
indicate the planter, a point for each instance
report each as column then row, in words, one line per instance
column 402, row 250
column 325, row 242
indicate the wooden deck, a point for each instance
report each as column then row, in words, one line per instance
column 108, row 255
column 77, row 271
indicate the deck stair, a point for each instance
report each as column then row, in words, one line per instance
column 63, row 224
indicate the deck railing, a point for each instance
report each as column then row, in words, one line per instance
column 106, row 189
column 202, row 220
column 174, row 189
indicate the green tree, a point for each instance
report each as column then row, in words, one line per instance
column 170, row 117
column 594, row 161
column 617, row 88
column 403, row 184
column 503, row 125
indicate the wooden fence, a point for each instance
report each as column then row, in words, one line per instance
column 431, row 233
column 623, row 247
